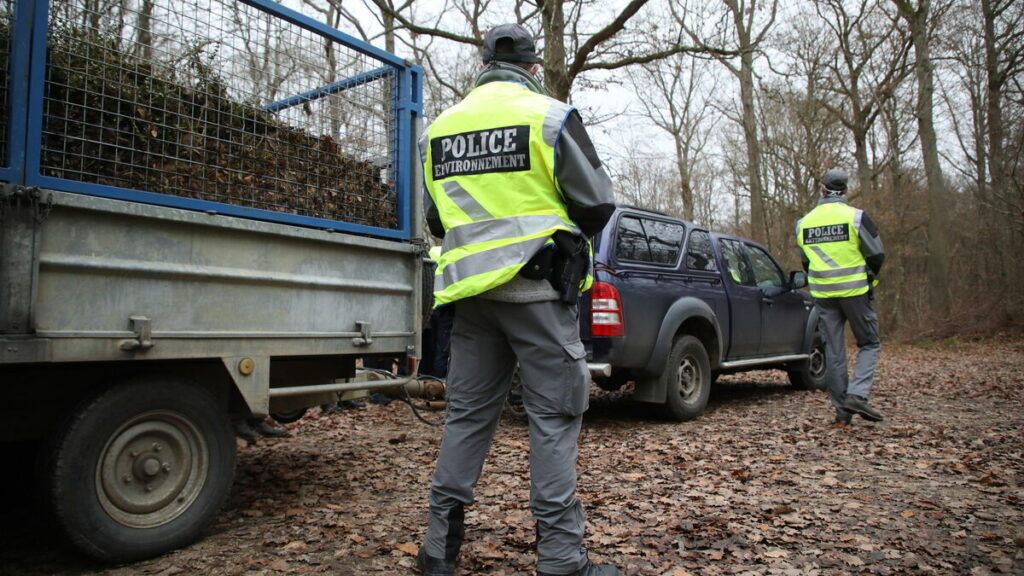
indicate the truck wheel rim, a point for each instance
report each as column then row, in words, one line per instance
column 152, row 469
column 689, row 378
column 817, row 362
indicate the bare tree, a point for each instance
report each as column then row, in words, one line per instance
column 672, row 93
column 645, row 179
column 737, row 33
column 799, row 138
column 919, row 16
column 568, row 50
column 267, row 66
column 868, row 61
column 1003, row 24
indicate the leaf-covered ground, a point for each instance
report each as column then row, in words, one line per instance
column 760, row 484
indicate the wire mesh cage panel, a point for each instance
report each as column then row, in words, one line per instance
column 6, row 24
column 222, row 101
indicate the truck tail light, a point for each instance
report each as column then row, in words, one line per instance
column 605, row 310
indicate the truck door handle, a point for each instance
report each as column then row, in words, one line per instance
column 768, row 301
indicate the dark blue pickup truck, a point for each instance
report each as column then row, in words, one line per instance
column 674, row 305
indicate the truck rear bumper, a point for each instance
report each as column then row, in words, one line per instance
column 599, row 370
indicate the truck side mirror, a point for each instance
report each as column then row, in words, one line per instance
column 797, row 279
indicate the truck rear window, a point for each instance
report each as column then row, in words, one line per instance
column 648, row 240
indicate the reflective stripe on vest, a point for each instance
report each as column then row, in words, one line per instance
column 489, row 168
column 829, row 238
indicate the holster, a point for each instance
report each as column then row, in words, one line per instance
column 569, row 264
column 539, row 266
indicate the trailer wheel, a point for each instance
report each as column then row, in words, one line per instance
column 289, row 416
column 141, row 468
column 687, row 379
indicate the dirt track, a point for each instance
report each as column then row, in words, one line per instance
column 761, row 484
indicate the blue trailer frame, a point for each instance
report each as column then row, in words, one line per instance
column 28, row 47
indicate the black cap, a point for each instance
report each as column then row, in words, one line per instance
column 521, row 45
column 835, row 180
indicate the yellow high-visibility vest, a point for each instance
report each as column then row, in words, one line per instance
column 829, row 237
column 490, row 169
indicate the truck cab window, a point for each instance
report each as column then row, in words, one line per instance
column 735, row 264
column 648, row 240
column 699, row 255
column 631, row 242
column 665, row 240
column 766, row 272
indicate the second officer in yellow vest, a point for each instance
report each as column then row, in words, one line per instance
column 842, row 253
column 515, row 189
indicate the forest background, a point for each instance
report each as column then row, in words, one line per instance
column 726, row 113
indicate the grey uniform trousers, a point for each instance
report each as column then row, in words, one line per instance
column 487, row 339
column 833, row 313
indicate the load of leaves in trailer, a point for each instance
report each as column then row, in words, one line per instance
column 114, row 118
column 5, row 66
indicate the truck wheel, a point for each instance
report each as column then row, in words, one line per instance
column 687, row 379
column 141, row 468
column 810, row 374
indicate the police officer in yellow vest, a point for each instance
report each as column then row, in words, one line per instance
column 515, row 189
column 842, row 253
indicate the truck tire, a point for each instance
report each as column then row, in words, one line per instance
column 810, row 374
column 687, row 378
column 141, row 468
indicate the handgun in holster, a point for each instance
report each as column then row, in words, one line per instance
column 570, row 261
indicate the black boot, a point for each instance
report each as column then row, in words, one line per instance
column 859, row 405
column 430, row 566
column 266, row 430
column 590, row 569
column 244, row 431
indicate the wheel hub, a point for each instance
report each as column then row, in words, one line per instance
column 689, row 377
column 152, row 469
column 817, row 362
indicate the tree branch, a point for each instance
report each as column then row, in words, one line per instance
column 584, row 51
column 654, row 56
column 411, row 26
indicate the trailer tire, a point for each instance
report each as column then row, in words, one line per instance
column 288, row 417
column 687, row 378
column 141, row 468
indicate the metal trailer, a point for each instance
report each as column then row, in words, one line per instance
column 205, row 215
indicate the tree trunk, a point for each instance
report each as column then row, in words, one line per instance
column 938, row 203
column 556, row 72
column 685, row 190
column 746, row 78
column 389, row 31
column 860, row 153
column 996, row 132
column 994, row 97
column 144, row 37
